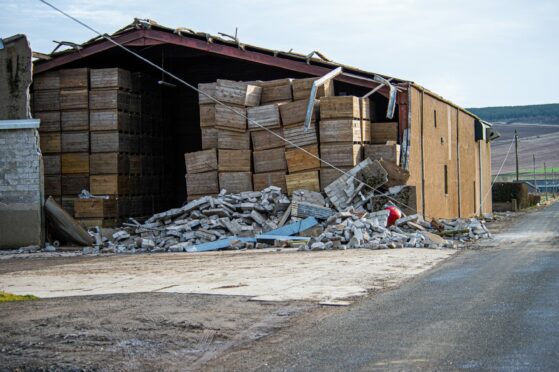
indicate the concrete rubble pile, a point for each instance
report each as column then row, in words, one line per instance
column 261, row 219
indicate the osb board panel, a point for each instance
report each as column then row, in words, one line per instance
column 263, row 180
column 329, row 175
column 209, row 138
column 231, row 140
column 202, row 183
column 238, row 93
column 340, row 130
column 74, row 120
column 225, row 118
column 266, row 116
column 269, row 160
column 299, row 160
column 74, row 163
column 235, row 182
column 341, row 154
column 295, row 112
column 201, row 161
column 304, row 180
column 302, row 88
column 263, row 139
column 50, row 121
column 234, row 160
column 276, row 91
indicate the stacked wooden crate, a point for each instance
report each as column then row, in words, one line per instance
column 302, row 166
column 270, row 167
column 74, row 125
column 344, row 129
column 201, row 173
column 46, row 107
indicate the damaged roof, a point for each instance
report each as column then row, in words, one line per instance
column 146, row 32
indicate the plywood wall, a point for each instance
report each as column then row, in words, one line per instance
column 442, row 137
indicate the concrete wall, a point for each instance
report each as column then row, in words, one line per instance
column 21, row 189
column 443, row 151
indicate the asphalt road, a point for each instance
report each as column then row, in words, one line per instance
column 495, row 309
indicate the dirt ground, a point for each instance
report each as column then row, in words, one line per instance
column 178, row 311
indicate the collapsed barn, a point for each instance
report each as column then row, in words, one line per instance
column 125, row 132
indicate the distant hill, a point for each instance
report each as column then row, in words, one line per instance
column 540, row 114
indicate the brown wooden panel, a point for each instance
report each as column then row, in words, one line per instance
column 302, row 88
column 73, row 184
column 298, row 160
column 269, row 160
column 234, row 160
column 201, row 161
column 50, row 121
column 263, row 180
column 75, row 163
column 266, row 116
column 238, row 93
column 75, row 78
column 303, row 180
column 50, row 142
column 230, row 140
column 276, row 91
column 202, row 183
column 74, row 120
column 235, row 182
column 294, row 113
column 73, row 99
column 51, row 164
column 115, row 78
column 109, row 163
column 263, row 139
column 382, row 132
column 75, row 141
column 341, row 154
column 340, row 130
column 90, row 208
column 46, row 81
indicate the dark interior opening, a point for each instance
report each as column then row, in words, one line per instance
column 179, row 106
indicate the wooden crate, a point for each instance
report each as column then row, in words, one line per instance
column 136, row 164
column 231, row 140
column 227, row 119
column 106, row 99
column 209, row 138
column 110, row 141
column 387, row 152
column 74, row 99
column 294, row 113
column 366, row 131
column 269, row 160
column 238, row 93
column 202, row 183
column 74, row 120
column 111, row 120
column 235, row 182
column 95, row 208
column 115, row 78
column 296, row 135
column 365, row 108
column 50, row 142
column 46, row 81
column 276, row 91
column 73, row 184
column 207, row 115
column 303, row 180
column 329, row 175
column 50, row 121
column 53, row 185
column 109, row 163
column 109, row 184
column 51, row 164
column 302, row 88
column 267, row 116
column 263, row 139
column 75, row 141
column 74, row 78
column 46, row 100
column 67, row 203
column 208, row 88
column 74, row 163
column 341, row 154
column 234, row 160
column 88, row 223
column 340, row 130
column 262, row 180
column 340, row 107
column 382, row 132
column 298, row 160
column 201, row 161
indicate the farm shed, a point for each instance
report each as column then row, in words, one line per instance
column 445, row 148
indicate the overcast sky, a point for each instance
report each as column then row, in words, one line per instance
column 475, row 52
